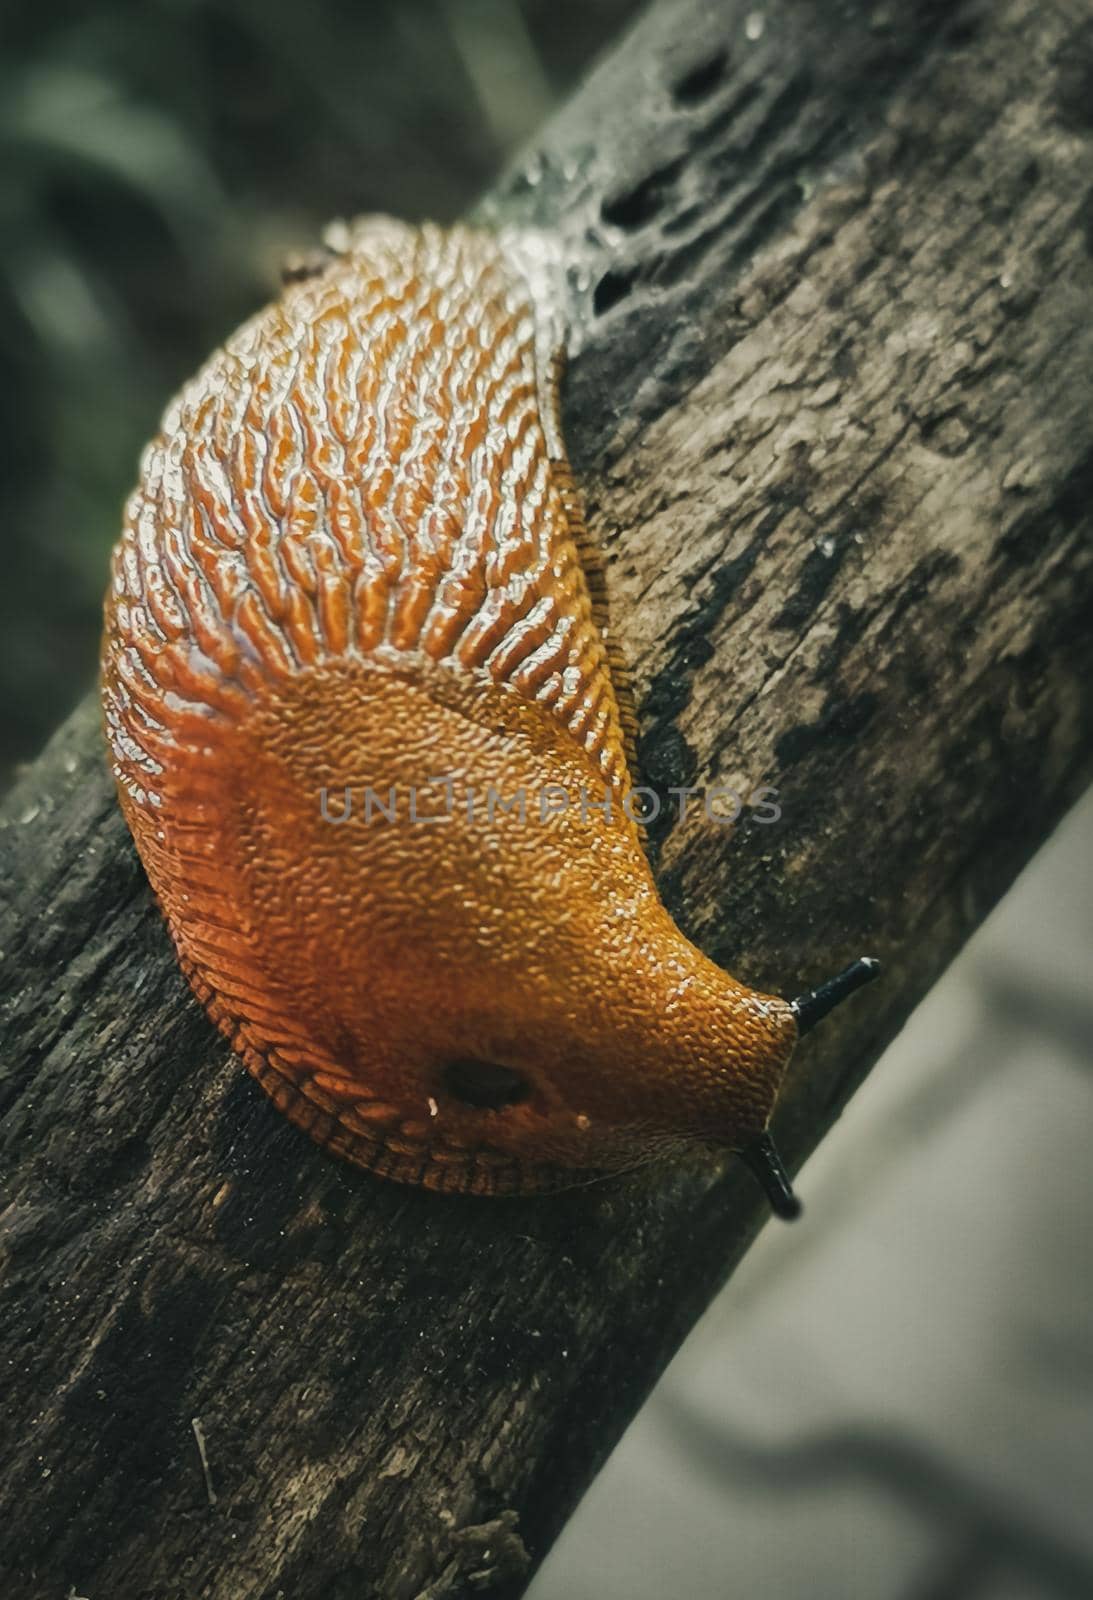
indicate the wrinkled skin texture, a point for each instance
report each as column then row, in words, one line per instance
column 354, row 563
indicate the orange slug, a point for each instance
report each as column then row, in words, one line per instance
column 355, row 660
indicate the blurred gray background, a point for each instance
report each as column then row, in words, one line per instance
column 894, row 1399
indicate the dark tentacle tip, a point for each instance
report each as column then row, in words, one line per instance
column 765, row 1165
column 812, row 1007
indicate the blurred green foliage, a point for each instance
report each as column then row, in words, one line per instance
column 157, row 159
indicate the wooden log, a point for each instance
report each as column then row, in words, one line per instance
column 832, row 294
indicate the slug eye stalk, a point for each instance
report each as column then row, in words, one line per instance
column 812, row 1007
column 761, row 1155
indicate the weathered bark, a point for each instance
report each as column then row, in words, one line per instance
column 833, row 304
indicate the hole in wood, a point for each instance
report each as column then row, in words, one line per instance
column 641, row 203
column 612, row 287
column 702, row 79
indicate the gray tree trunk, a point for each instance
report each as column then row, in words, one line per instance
column 832, row 408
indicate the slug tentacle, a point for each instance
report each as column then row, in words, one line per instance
column 765, row 1164
column 812, row 1007
column 356, row 648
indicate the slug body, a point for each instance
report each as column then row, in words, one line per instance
column 355, row 564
